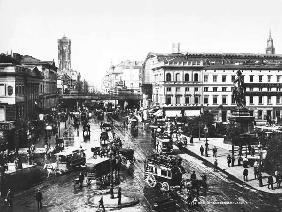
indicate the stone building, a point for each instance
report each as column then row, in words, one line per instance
column 124, row 77
column 197, row 81
column 19, row 92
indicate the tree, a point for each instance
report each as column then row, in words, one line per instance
column 273, row 158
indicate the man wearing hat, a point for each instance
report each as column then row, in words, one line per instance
column 39, row 198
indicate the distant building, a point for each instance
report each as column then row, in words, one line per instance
column 64, row 53
column 124, row 77
column 270, row 47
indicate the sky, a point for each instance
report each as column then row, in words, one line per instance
column 109, row 31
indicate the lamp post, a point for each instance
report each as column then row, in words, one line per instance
column 206, row 144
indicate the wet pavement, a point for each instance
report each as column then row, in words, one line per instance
column 223, row 194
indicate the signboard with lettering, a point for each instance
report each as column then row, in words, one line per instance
column 6, row 126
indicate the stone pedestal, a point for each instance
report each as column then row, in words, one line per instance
column 242, row 119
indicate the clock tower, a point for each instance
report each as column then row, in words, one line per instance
column 64, row 53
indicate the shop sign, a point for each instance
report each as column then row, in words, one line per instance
column 6, row 126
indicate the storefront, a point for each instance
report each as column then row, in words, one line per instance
column 7, row 136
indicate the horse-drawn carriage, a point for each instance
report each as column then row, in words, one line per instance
column 100, row 115
column 69, row 159
column 164, row 144
column 127, row 156
column 97, row 168
column 106, row 126
column 163, row 171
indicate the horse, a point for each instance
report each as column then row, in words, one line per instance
column 52, row 168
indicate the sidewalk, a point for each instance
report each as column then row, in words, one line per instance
column 236, row 172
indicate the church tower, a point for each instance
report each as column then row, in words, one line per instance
column 64, row 53
column 270, row 48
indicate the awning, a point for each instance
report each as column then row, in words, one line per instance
column 158, row 113
column 191, row 113
column 173, row 113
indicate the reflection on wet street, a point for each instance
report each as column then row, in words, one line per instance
column 223, row 194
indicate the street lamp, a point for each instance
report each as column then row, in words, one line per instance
column 206, row 144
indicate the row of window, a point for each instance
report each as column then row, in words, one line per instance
column 178, row 78
column 196, row 89
column 215, row 89
column 223, row 100
column 215, row 78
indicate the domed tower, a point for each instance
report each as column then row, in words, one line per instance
column 270, row 48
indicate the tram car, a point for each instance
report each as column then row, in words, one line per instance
column 164, row 144
column 96, row 168
column 70, row 158
column 163, row 171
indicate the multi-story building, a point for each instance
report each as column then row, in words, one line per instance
column 19, row 92
column 196, row 80
column 48, row 96
column 124, row 77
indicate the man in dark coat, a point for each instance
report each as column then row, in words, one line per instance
column 39, row 197
column 245, row 174
column 202, row 150
column 270, row 182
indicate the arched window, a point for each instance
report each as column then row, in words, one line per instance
column 186, row 77
column 177, row 77
column 168, row 77
column 196, row 77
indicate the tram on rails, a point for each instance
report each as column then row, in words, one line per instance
column 164, row 171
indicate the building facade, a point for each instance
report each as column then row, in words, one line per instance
column 48, row 95
column 206, row 81
column 124, row 77
column 19, row 92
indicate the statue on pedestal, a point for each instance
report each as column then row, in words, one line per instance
column 239, row 91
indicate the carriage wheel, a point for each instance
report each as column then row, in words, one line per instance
column 151, row 181
column 165, row 186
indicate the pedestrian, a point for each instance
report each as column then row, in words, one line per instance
column 207, row 149
column 245, row 162
column 256, row 165
column 240, row 150
column 81, row 179
column 215, row 165
column 202, row 150
column 245, row 174
column 119, row 195
column 101, row 204
column 240, row 159
column 270, row 182
column 191, row 140
column 228, row 160
column 214, row 151
column 276, row 175
column 39, row 197
column 9, row 198
column 260, row 179
column 278, row 180
column 193, row 176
